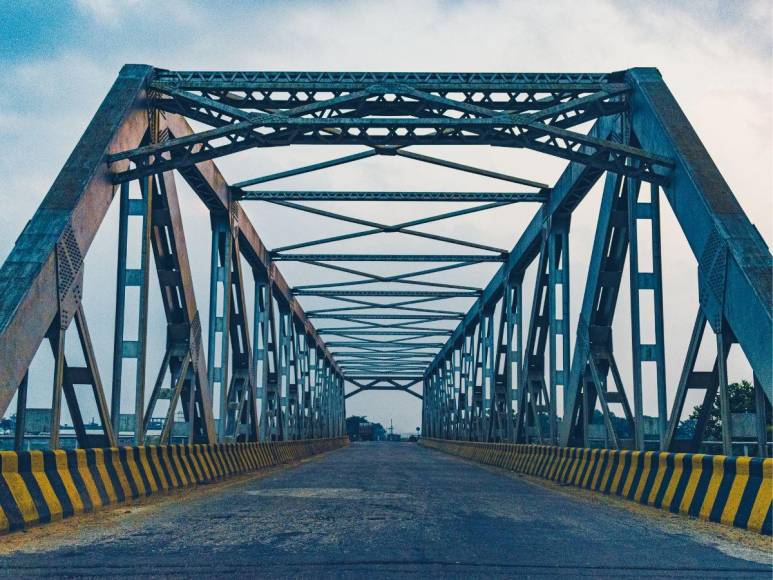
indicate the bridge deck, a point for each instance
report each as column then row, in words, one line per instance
column 380, row 509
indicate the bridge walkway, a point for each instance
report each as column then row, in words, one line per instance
column 383, row 510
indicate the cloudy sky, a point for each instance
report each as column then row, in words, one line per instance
column 59, row 59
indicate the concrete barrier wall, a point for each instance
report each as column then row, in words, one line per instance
column 735, row 491
column 42, row 486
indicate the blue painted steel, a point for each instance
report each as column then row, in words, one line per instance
column 484, row 383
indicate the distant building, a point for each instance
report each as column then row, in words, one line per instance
column 37, row 421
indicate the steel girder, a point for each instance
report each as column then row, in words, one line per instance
column 489, row 196
column 281, row 381
column 728, row 249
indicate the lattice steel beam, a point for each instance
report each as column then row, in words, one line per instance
column 446, row 196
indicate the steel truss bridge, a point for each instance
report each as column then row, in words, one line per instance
column 490, row 372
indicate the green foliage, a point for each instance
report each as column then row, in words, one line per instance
column 741, row 401
column 353, row 427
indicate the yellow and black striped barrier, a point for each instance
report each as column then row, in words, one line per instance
column 42, row 486
column 735, row 491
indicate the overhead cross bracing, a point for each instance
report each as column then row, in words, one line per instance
column 487, row 369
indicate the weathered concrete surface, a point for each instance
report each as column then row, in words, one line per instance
column 382, row 510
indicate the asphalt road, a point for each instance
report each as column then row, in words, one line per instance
column 376, row 510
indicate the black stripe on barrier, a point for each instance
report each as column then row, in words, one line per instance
column 91, row 464
column 220, row 469
column 124, row 461
column 177, row 450
column 11, row 509
column 601, row 470
column 77, row 479
column 767, row 526
column 667, row 475
column 25, row 471
column 107, row 456
column 55, row 479
column 613, row 465
column 193, row 461
column 636, row 476
column 166, row 468
column 703, row 484
column 201, row 457
column 627, row 458
column 749, row 495
column 728, row 476
column 154, row 473
column 144, row 475
column 654, row 465
column 681, row 486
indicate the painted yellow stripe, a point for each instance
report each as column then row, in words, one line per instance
column 191, row 461
column 557, row 464
column 153, row 458
column 717, row 472
column 48, row 493
column 217, row 451
column 134, row 472
column 645, row 474
column 4, row 523
column 545, row 457
column 183, row 475
column 581, row 466
column 602, row 469
column 636, row 457
column 60, row 458
column 533, row 458
column 676, row 475
column 143, row 453
column 611, row 456
column 214, row 467
column 692, row 483
column 123, row 480
column 17, row 487
column 512, row 456
column 214, row 470
column 196, row 462
column 88, row 480
column 740, row 480
column 169, row 463
column 594, row 458
column 661, row 472
column 107, row 483
column 764, row 497
column 619, row 471
column 574, row 464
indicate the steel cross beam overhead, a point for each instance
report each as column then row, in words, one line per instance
column 493, row 359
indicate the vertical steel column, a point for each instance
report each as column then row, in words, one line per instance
column 285, row 340
column 448, row 397
column 220, row 313
column 761, row 412
column 533, row 398
column 124, row 348
column 260, row 364
column 639, row 212
column 513, row 305
column 21, row 414
column 57, row 337
column 486, row 337
column 558, row 298
column 724, row 396
column 456, row 379
column 318, row 393
column 467, row 385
